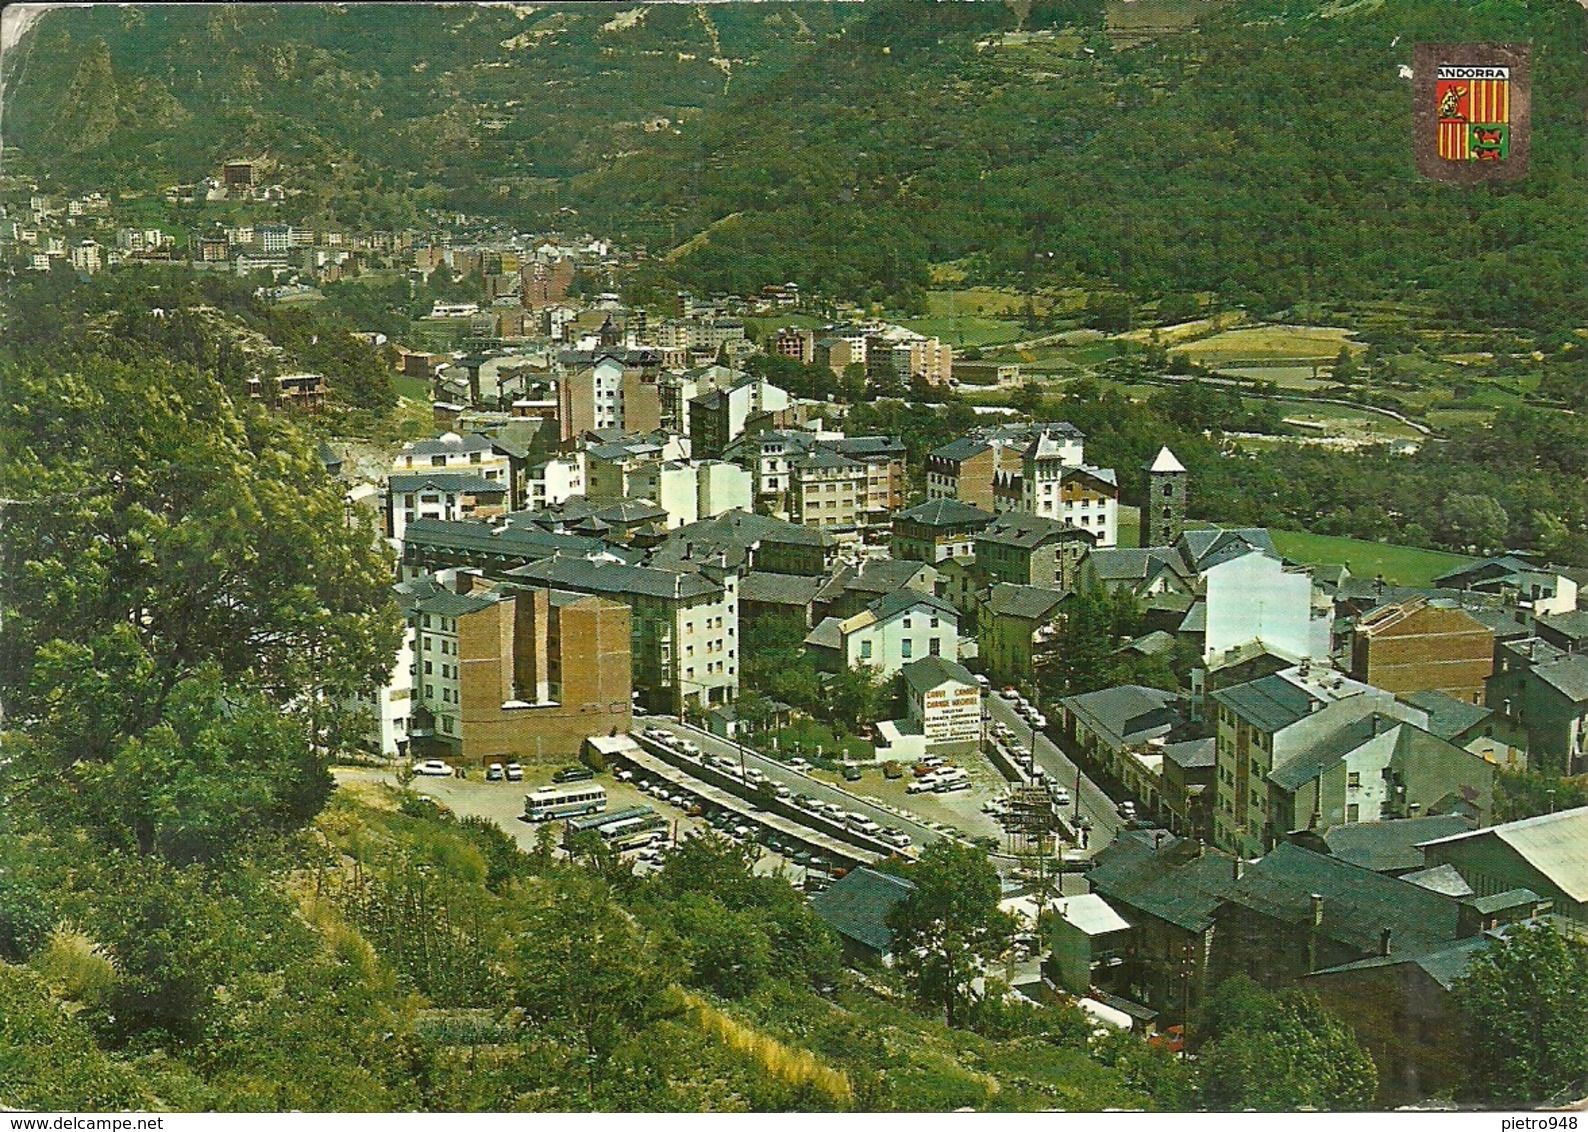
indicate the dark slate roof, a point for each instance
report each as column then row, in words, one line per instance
column 1573, row 624
column 1005, row 599
column 876, row 577
column 1357, row 903
column 512, row 541
column 471, row 482
column 945, row 513
column 900, row 600
column 1448, row 716
column 961, row 449
column 1207, row 546
column 746, row 527
column 1441, row 878
column 857, row 905
column 1016, row 528
column 871, row 447
column 1149, row 644
column 1130, row 713
column 1390, row 846
column 1568, row 676
column 825, row 458
column 448, row 604
column 1445, row 965
column 586, row 576
column 927, row 673
column 778, row 589
column 1171, row 882
column 1119, row 563
column 437, row 446
column 1192, row 754
column 626, row 511
column 1270, row 703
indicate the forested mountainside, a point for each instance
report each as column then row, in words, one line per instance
column 374, row 111
column 1263, row 153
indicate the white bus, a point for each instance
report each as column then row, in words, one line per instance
column 564, row 801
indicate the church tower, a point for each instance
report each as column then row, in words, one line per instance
column 1163, row 514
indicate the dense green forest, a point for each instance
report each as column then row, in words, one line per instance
column 1264, row 155
column 375, row 112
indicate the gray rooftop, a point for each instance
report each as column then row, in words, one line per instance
column 1448, row 716
column 1554, row 844
column 1129, row 714
column 1006, row 599
column 1390, row 846
column 778, row 589
column 614, row 578
column 402, row 483
column 1357, row 903
column 1269, row 704
column 944, row 513
column 927, row 673
column 1173, row 879
column 857, row 906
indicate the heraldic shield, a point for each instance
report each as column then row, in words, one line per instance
column 1472, row 111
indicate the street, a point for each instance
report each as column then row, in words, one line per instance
column 1091, row 800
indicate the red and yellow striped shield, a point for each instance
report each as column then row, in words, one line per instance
column 1474, row 107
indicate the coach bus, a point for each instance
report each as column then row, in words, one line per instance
column 564, row 802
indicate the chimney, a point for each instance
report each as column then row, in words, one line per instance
column 1384, row 941
column 1378, row 723
column 1312, row 932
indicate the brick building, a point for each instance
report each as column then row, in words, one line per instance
column 507, row 672
column 1418, row 646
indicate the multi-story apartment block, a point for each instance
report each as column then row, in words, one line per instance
column 613, row 389
column 718, row 418
column 827, row 489
column 453, row 453
column 441, row 495
column 1278, row 721
column 884, row 458
column 685, row 625
column 938, row 530
column 1031, row 550
column 516, row 673
column 1543, row 691
column 1052, row 483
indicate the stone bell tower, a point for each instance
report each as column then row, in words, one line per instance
column 1163, row 513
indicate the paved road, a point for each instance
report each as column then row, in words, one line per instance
column 1095, row 804
column 922, row 835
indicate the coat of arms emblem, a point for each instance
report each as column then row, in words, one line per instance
column 1472, row 111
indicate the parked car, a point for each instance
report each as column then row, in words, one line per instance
column 494, row 773
column 782, row 792
column 806, row 802
column 434, row 768
column 897, row 838
column 1127, row 809
column 862, row 824
column 981, row 678
column 851, row 772
column 923, row 785
column 799, row 764
column 951, row 785
column 1061, row 796
column 515, row 773
column 573, row 774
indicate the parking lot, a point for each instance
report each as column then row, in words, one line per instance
column 962, row 809
column 502, row 803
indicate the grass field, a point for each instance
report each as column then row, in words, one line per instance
column 967, row 330
column 1258, row 344
column 1400, row 565
column 1131, row 22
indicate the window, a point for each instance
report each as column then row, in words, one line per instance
column 474, row 457
column 438, row 461
column 906, row 648
column 427, row 644
column 427, row 621
column 935, row 646
column 1353, row 812
column 428, row 669
column 906, row 622
column 1168, row 489
column 1354, row 778
column 865, row 650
